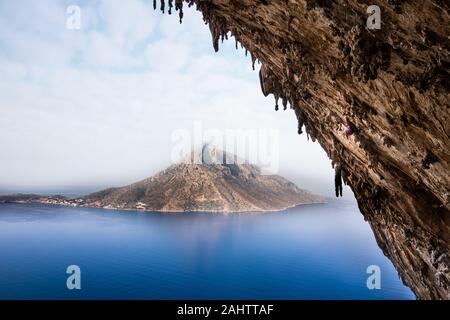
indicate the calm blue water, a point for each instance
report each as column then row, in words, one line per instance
column 310, row 252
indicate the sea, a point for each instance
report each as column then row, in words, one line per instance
column 320, row 251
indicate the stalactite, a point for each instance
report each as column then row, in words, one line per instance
column 338, row 180
column 253, row 61
column 300, row 119
column 215, row 36
column 170, row 6
column 179, row 7
column 310, row 131
column 277, row 97
column 261, row 82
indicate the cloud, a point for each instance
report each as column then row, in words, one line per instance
column 99, row 105
column 128, row 24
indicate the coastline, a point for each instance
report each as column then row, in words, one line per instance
column 170, row 211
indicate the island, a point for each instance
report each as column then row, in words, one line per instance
column 208, row 180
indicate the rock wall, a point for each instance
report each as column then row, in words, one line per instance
column 387, row 88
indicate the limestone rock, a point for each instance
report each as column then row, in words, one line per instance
column 391, row 85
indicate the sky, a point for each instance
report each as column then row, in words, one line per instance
column 106, row 104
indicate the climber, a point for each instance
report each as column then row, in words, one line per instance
column 349, row 130
column 338, row 180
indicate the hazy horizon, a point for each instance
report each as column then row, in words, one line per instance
column 97, row 107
